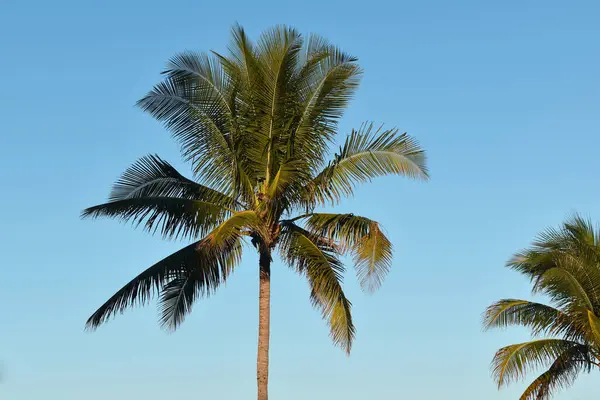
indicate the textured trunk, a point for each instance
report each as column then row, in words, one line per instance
column 264, row 311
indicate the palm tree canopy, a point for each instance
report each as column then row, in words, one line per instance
column 256, row 125
column 564, row 265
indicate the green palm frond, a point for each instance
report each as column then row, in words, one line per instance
column 312, row 257
column 234, row 226
column 561, row 374
column 366, row 154
column 279, row 49
column 514, row 361
column 196, row 105
column 563, row 288
column 540, row 318
column 173, row 217
column 286, row 189
column 370, row 248
column 564, row 265
column 326, row 86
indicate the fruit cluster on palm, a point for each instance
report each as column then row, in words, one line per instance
column 256, row 126
column 564, row 265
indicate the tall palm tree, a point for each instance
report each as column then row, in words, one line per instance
column 255, row 126
column 564, row 265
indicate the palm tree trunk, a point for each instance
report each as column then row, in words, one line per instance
column 264, row 316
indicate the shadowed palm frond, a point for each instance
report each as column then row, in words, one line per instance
column 215, row 263
column 208, row 269
column 173, row 217
column 150, row 176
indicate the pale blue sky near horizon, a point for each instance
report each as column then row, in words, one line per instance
column 504, row 96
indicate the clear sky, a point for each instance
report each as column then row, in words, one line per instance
column 503, row 95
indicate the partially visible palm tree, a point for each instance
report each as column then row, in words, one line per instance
column 256, row 127
column 563, row 264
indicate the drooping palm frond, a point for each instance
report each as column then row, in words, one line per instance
column 366, row 154
column 561, row 374
column 215, row 262
column 514, row 361
column 209, row 268
column 312, row 257
column 173, row 217
column 370, row 248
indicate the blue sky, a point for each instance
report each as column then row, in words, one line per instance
column 503, row 95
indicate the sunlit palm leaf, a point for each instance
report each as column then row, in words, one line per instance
column 326, row 86
column 244, row 221
column 190, row 104
column 366, row 154
column 514, row 361
column 370, row 248
column 542, row 319
column 313, row 258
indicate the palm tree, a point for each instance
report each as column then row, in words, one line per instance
column 255, row 126
column 564, row 265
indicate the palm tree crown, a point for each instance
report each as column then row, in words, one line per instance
column 564, row 265
column 256, row 127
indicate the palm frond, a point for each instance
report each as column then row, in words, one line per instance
column 514, row 361
column 563, row 288
column 151, row 176
column 542, row 319
column 312, row 257
column 278, row 49
column 561, row 374
column 564, row 264
column 370, row 248
column 366, row 154
column 193, row 111
column 215, row 263
column 234, row 226
column 173, row 217
column 209, row 270
column 326, row 84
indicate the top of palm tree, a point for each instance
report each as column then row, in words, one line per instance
column 564, row 265
column 256, row 126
